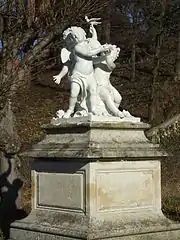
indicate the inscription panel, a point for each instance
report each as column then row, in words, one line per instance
column 61, row 191
column 124, row 190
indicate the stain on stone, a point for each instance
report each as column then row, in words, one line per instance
column 105, row 201
column 91, row 191
column 67, row 145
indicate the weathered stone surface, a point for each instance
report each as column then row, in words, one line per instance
column 95, row 180
column 97, row 189
column 9, row 139
column 138, row 178
column 61, row 190
column 93, row 138
column 76, row 228
column 170, row 127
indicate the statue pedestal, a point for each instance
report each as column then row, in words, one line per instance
column 93, row 179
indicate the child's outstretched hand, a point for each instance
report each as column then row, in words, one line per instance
column 57, row 79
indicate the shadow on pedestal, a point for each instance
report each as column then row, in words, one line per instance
column 8, row 196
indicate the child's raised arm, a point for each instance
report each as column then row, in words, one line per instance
column 64, row 71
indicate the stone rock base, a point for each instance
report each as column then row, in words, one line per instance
column 161, row 229
column 95, row 200
column 95, row 179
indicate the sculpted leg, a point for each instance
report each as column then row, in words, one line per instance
column 117, row 96
column 92, row 97
column 75, row 89
column 109, row 103
column 112, row 107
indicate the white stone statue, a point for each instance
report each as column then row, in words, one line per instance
column 106, row 92
column 78, row 63
column 89, row 66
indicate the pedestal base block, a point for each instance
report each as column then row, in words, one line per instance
column 95, row 179
column 96, row 200
column 157, row 229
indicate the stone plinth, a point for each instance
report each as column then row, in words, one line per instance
column 94, row 179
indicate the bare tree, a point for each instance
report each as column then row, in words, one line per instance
column 177, row 65
column 160, row 33
column 22, row 24
column 107, row 21
column 26, row 32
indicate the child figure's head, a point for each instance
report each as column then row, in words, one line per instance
column 74, row 35
column 114, row 52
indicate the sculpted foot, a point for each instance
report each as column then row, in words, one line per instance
column 67, row 114
column 93, row 112
column 127, row 114
column 120, row 114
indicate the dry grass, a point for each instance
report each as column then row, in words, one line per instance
column 171, row 208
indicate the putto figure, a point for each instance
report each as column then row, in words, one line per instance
column 89, row 66
column 78, row 63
